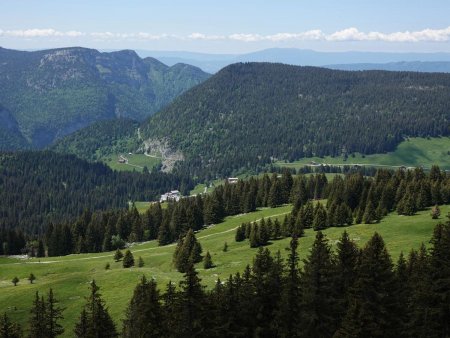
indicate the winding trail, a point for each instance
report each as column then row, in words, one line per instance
column 139, row 250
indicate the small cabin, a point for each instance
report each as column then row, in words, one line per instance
column 232, row 180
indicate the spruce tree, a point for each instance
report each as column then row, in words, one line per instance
column 31, row 278
column 144, row 314
column 289, row 310
column 373, row 300
column 128, row 259
column 440, row 277
column 95, row 320
column 41, row 249
column 318, row 293
column 37, row 321
column 53, row 315
column 188, row 251
column 9, row 329
column 207, row 261
column 118, row 255
column 140, row 262
column 320, row 217
column 192, row 304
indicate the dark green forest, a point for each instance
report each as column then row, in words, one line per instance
column 103, row 138
column 248, row 114
column 52, row 93
column 37, row 188
column 352, row 199
column 350, row 292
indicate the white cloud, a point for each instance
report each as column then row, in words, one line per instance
column 39, row 33
column 347, row 34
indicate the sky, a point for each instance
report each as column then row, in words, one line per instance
column 231, row 26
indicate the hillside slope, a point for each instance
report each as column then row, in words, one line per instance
column 100, row 139
column 52, row 93
column 248, row 114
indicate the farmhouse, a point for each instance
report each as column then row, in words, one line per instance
column 232, row 180
column 173, row 195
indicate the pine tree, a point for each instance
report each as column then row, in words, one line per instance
column 188, row 251
column 128, row 259
column 192, row 304
column 140, row 262
column 207, row 261
column 144, row 314
column 95, row 320
column 254, row 238
column 240, row 233
column 53, row 315
column 318, row 297
column 289, row 311
column 118, row 255
column 346, row 262
column 320, row 218
column 440, row 277
column 37, row 322
column 373, row 301
column 369, row 213
column 81, row 329
column 9, row 329
column 41, row 249
column 31, row 278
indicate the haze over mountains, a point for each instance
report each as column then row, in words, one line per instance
column 429, row 62
column 51, row 93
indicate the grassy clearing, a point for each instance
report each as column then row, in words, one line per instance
column 411, row 153
column 69, row 276
column 136, row 162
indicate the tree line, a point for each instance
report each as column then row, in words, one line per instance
column 350, row 199
column 346, row 292
column 37, row 188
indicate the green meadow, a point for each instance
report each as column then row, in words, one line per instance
column 136, row 162
column 413, row 152
column 69, row 276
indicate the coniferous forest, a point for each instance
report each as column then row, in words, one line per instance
column 250, row 113
column 37, row 188
column 350, row 292
column 350, row 199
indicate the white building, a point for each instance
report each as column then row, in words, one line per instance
column 173, row 195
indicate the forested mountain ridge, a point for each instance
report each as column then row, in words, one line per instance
column 248, row 114
column 52, row 93
column 37, row 188
column 102, row 138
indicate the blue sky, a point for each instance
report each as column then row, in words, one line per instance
column 227, row 26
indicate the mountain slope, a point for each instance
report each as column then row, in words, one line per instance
column 52, row 93
column 100, row 139
column 249, row 113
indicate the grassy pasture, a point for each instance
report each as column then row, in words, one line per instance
column 69, row 276
column 413, row 152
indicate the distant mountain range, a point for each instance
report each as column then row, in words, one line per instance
column 51, row 93
column 412, row 66
column 429, row 62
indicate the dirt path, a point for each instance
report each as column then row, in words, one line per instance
column 137, row 250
